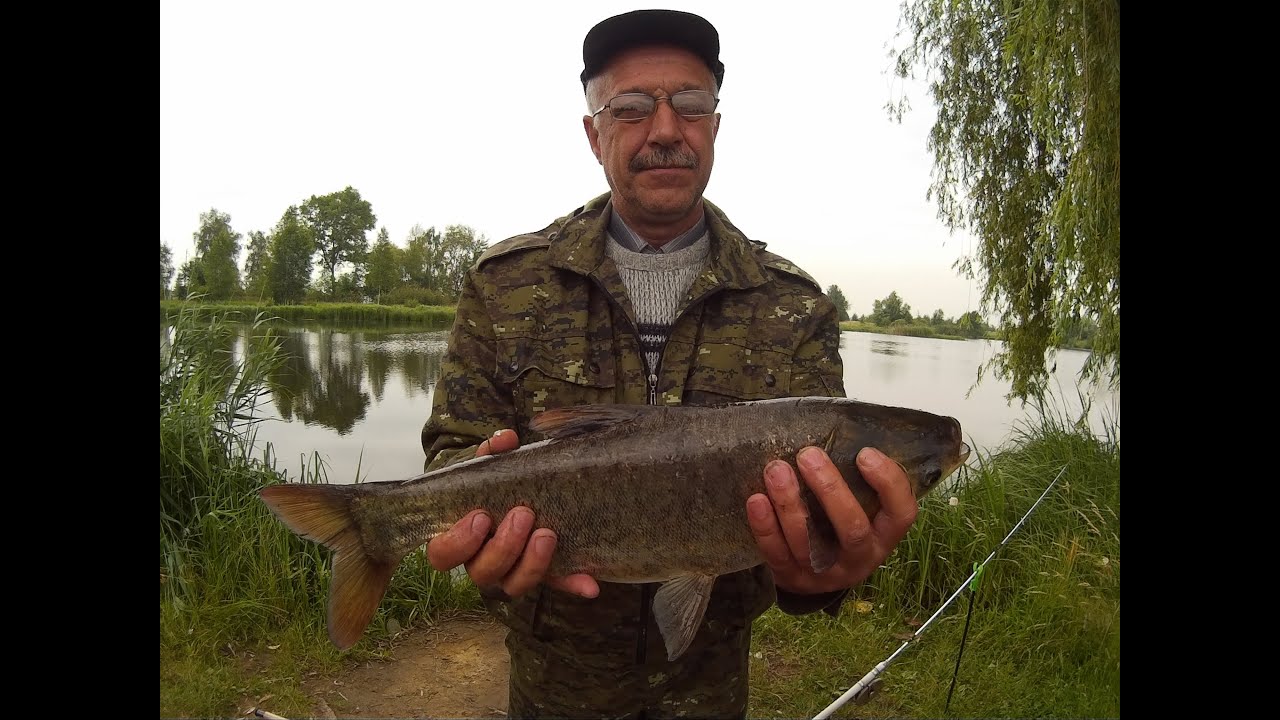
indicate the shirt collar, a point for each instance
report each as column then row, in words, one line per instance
column 629, row 240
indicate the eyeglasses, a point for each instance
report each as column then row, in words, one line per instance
column 634, row 107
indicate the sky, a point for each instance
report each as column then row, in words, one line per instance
column 470, row 113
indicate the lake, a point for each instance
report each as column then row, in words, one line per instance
column 358, row 397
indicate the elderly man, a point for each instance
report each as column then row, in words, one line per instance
column 646, row 294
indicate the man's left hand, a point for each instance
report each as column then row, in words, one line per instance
column 779, row 523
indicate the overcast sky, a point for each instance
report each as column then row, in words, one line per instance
column 469, row 113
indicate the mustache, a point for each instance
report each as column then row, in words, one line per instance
column 664, row 158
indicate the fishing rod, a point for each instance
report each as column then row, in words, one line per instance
column 860, row 686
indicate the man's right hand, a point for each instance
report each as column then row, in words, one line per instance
column 514, row 560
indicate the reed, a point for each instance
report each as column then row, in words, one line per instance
column 236, row 584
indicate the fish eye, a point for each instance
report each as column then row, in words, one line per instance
column 932, row 476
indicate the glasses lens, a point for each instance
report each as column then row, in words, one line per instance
column 632, row 106
column 691, row 103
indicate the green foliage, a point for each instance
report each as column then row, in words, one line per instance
column 414, row 296
column 439, row 262
column 1027, row 155
column 347, row 288
column 889, row 310
column 386, row 267
column 218, row 251
column 291, row 248
column 460, row 250
column 972, row 326
column 166, row 269
column 257, row 278
column 338, row 223
column 838, row 299
column 420, row 257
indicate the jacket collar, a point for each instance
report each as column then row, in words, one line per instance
column 577, row 244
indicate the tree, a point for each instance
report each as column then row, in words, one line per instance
column 460, row 249
column 837, row 298
column 937, row 318
column 257, row 280
column 166, row 269
column 1027, row 155
column 190, row 279
column 338, row 222
column 291, row 250
column 971, row 325
column 385, row 267
column 218, row 252
column 421, row 256
column 890, row 309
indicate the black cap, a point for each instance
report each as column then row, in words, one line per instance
column 651, row 27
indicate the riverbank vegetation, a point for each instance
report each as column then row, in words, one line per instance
column 413, row 314
column 242, row 599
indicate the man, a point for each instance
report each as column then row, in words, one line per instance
column 647, row 294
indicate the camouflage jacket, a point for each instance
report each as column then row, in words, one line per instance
column 544, row 321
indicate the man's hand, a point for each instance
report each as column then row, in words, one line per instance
column 514, row 560
column 779, row 520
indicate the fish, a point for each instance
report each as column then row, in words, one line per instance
column 634, row 493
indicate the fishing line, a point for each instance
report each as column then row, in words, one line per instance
column 867, row 679
column 955, row 674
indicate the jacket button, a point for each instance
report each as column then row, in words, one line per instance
column 770, row 380
column 594, row 368
column 514, row 366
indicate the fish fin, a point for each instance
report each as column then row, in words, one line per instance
column 321, row 513
column 678, row 606
column 824, row 546
column 582, row 419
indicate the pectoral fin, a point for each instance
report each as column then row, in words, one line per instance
column 678, row 607
column 824, row 546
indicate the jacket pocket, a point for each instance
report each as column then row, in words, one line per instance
column 550, row 372
column 731, row 371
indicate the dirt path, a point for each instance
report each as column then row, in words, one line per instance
column 455, row 669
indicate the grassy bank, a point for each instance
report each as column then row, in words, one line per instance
column 242, row 599
column 350, row 314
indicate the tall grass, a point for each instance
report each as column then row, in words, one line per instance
column 235, row 584
column 1045, row 634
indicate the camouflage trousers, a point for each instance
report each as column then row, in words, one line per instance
column 707, row 682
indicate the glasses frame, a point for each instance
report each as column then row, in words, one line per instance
column 656, row 99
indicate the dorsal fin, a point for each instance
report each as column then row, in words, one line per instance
column 582, row 419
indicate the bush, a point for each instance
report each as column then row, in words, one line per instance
column 413, row 296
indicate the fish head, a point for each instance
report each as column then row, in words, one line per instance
column 928, row 447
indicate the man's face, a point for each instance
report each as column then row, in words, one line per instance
column 659, row 166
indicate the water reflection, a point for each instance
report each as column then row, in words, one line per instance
column 322, row 380
column 887, row 347
column 356, row 399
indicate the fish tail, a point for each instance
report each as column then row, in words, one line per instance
column 322, row 513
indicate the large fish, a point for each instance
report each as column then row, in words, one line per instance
column 635, row 494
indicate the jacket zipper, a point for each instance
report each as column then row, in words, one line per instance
column 648, row 589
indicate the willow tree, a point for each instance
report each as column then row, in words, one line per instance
column 1027, row 158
